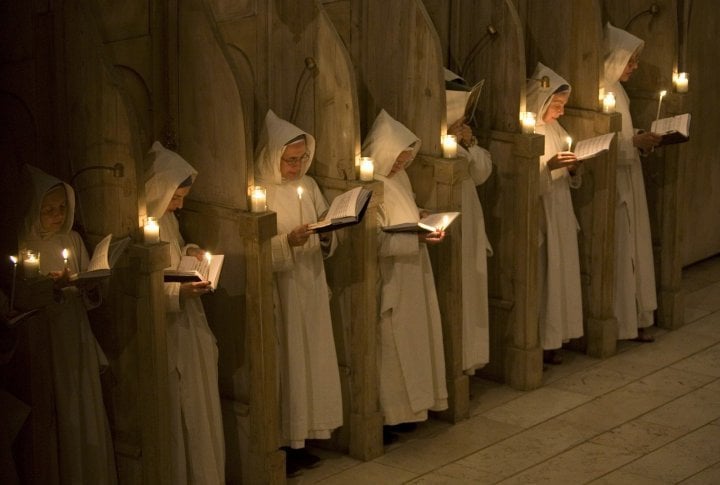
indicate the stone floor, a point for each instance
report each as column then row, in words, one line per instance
column 648, row 415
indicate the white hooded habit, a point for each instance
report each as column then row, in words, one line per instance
column 198, row 446
column 412, row 362
column 559, row 290
column 310, row 392
column 634, row 294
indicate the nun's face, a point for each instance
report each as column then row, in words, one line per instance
column 53, row 209
column 177, row 199
column 556, row 108
column 632, row 64
column 292, row 160
column 403, row 159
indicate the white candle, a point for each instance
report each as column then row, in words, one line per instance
column 31, row 264
column 609, row 103
column 568, row 143
column 662, row 95
column 65, row 254
column 151, row 231
column 14, row 260
column 367, row 169
column 527, row 122
column 258, row 199
column 449, row 146
column 681, row 82
column 300, row 193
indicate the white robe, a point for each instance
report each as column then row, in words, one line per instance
column 198, row 444
column 559, row 290
column 412, row 359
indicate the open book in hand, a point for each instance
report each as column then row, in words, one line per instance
column 434, row 222
column 593, row 146
column 675, row 129
column 192, row 270
column 346, row 209
column 103, row 259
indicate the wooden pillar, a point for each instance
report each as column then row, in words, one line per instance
column 266, row 462
column 353, row 276
column 523, row 353
column 153, row 361
column 447, row 177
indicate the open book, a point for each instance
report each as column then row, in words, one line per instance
column 593, row 146
column 346, row 209
column 192, row 270
column 434, row 222
column 675, row 129
column 103, row 259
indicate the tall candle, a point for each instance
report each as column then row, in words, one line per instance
column 31, row 264
column 681, row 82
column 609, row 103
column 300, row 193
column 568, row 143
column 662, row 95
column 367, row 169
column 258, row 199
column 449, row 146
column 527, row 122
column 14, row 260
column 151, row 231
column 65, row 254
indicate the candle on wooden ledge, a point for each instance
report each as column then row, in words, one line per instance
column 367, row 169
column 681, row 82
column 14, row 261
column 151, row 231
column 258, row 199
column 527, row 122
column 662, row 95
column 449, row 146
column 31, row 264
column 65, row 255
column 300, row 193
column 608, row 105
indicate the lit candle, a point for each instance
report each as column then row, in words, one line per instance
column 258, row 199
column 31, row 264
column 609, row 103
column 14, row 260
column 367, row 169
column 445, row 222
column 681, row 82
column 151, row 231
column 449, row 146
column 300, row 193
column 65, row 254
column 662, row 95
column 527, row 122
column 568, row 142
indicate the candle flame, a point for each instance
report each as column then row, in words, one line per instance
column 13, row 259
column 663, row 93
column 208, row 256
column 445, row 222
column 65, row 253
column 300, row 192
column 568, row 140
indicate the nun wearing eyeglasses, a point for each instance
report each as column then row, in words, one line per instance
column 310, row 380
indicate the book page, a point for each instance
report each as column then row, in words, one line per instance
column 343, row 205
column 439, row 221
column 191, row 263
column 679, row 123
column 100, row 255
column 592, row 146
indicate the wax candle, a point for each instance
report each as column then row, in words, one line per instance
column 14, row 261
column 527, row 122
column 681, row 82
column 449, row 146
column 258, row 199
column 31, row 264
column 568, row 143
column 662, row 95
column 300, row 193
column 367, row 169
column 65, row 255
column 151, row 231
column 609, row 103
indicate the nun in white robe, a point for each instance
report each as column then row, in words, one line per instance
column 412, row 362
column 310, row 392
column 475, row 244
column 634, row 295
column 560, row 294
column 84, row 441
column 198, row 446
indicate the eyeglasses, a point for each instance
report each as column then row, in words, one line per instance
column 295, row 161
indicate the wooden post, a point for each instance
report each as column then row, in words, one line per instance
column 523, row 353
column 447, row 177
column 153, row 361
column 266, row 462
column 355, row 291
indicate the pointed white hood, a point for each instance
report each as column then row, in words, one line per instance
column 275, row 135
column 42, row 183
column 618, row 47
column 538, row 97
column 386, row 140
column 167, row 172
